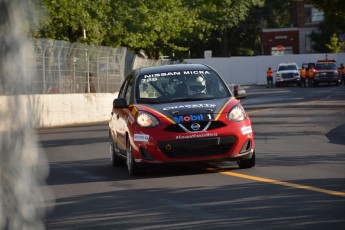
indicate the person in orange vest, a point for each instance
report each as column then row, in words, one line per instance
column 303, row 74
column 269, row 77
column 311, row 74
column 342, row 73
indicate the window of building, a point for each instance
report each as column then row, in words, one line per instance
column 307, row 43
column 313, row 15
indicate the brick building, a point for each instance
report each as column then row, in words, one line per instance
column 296, row 39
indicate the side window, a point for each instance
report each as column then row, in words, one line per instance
column 123, row 89
column 129, row 90
column 124, row 86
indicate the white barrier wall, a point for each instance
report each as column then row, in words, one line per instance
column 63, row 109
column 67, row 109
column 252, row 70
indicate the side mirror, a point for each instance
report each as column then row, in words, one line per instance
column 120, row 103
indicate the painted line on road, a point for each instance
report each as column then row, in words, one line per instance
column 270, row 181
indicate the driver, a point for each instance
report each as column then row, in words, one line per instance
column 196, row 85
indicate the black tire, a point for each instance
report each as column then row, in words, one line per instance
column 249, row 163
column 114, row 159
column 132, row 167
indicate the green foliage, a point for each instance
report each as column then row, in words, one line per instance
column 333, row 9
column 67, row 20
column 276, row 14
column 219, row 18
column 158, row 27
column 334, row 44
column 174, row 28
column 334, row 22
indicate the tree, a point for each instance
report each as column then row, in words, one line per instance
column 173, row 28
column 334, row 23
column 69, row 19
column 334, row 44
column 245, row 38
column 157, row 27
column 223, row 15
column 333, row 11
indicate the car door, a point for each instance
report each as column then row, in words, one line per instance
column 121, row 116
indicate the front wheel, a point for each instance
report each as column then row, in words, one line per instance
column 248, row 163
column 115, row 160
column 132, row 166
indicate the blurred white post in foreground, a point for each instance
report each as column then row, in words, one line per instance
column 22, row 167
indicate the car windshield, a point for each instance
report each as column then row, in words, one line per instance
column 326, row 66
column 287, row 67
column 175, row 86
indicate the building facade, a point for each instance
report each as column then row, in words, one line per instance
column 296, row 39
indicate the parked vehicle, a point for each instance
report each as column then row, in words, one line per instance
column 287, row 74
column 327, row 72
column 178, row 113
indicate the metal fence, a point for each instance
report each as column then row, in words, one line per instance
column 60, row 67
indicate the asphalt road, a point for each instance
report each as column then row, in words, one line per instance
column 297, row 183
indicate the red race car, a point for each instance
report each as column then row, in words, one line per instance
column 178, row 113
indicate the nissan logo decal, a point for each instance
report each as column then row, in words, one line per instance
column 195, row 126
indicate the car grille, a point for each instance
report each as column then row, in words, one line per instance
column 178, row 129
column 326, row 75
column 288, row 75
column 197, row 147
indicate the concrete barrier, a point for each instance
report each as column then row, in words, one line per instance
column 62, row 109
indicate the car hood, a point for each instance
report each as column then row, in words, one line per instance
column 288, row 71
column 326, row 70
column 193, row 109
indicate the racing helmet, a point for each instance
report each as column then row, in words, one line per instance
column 196, row 85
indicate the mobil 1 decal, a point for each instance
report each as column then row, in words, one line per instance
column 193, row 118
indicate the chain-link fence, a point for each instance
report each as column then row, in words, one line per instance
column 60, row 67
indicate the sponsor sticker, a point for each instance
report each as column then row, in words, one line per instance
column 174, row 73
column 193, row 106
column 180, row 137
column 141, row 137
column 193, row 118
column 246, row 129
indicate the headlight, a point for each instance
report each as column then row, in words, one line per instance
column 237, row 113
column 145, row 119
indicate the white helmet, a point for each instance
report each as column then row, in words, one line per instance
column 196, row 85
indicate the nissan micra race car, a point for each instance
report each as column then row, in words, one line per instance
column 177, row 114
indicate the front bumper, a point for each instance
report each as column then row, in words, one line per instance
column 326, row 79
column 287, row 81
column 199, row 146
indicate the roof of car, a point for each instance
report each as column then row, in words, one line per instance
column 326, row 60
column 288, row 63
column 169, row 68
